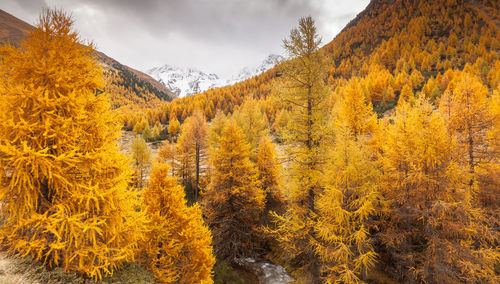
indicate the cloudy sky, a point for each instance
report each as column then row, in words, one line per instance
column 215, row 36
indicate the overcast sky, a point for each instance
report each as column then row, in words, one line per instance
column 215, row 36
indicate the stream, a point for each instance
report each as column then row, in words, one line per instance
column 267, row 272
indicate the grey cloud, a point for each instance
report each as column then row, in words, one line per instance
column 213, row 35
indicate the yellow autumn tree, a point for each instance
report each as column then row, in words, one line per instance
column 305, row 137
column 269, row 174
column 351, row 198
column 63, row 182
column 215, row 131
column 471, row 116
column 141, row 157
column 465, row 107
column 433, row 232
column 178, row 244
column 406, row 95
column 233, row 200
column 173, row 127
column 166, row 154
column 192, row 152
column 354, row 111
column 253, row 121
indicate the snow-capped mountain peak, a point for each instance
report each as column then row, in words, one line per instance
column 249, row 72
column 188, row 81
column 184, row 81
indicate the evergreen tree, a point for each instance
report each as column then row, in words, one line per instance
column 63, row 182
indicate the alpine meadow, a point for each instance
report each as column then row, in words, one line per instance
column 368, row 151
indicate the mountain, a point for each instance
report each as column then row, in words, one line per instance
column 125, row 84
column 184, row 81
column 188, row 81
column 249, row 72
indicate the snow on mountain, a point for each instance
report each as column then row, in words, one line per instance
column 249, row 72
column 184, row 81
column 188, row 81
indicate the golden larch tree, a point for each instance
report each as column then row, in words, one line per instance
column 178, row 244
column 167, row 154
column 465, row 107
column 253, row 121
column 433, row 232
column 215, row 131
column 351, row 199
column 354, row 111
column 305, row 137
column 269, row 174
column 191, row 150
column 233, row 200
column 141, row 157
column 174, row 127
column 63, row 182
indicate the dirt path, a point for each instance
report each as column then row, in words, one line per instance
column 8, row 272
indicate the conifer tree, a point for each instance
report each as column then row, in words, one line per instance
column 304, row 91
column 191, row 149
column 173, row 128
column 215, row 130
column 465, row 107
column 269, row 174
column 350, row 200
column 178, row 244
column 406, row 95
column 63, row 182
column 354, row 111
column 167, row 154
column 233, row 201
column 433, row 232
column 253, row 121
column 352, row 196
column 141, row 156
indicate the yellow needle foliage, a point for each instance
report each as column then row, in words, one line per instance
column 433, row 228
column 269, row 173
column 233, row 201
column 350, row 199
column 63, row 183
column 178, row 244
column 351, row 196
column 191, row 153
column 141, row 157
column 305, row 135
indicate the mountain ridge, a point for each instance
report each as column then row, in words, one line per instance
column 190, row 81
column 147, row 90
